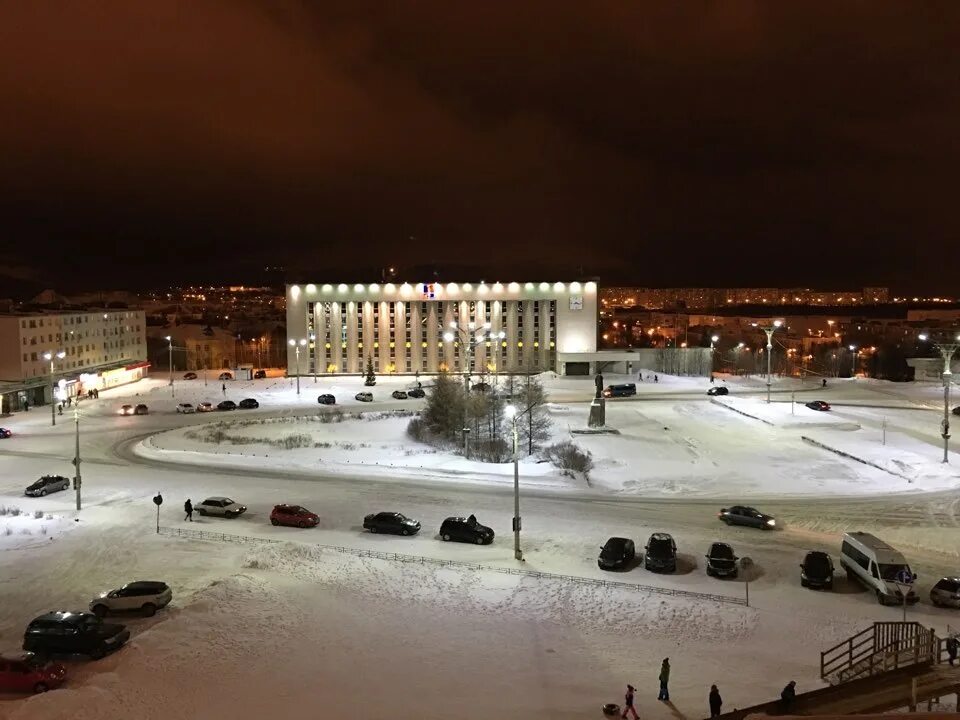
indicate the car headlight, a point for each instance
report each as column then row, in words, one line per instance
column 771, row 522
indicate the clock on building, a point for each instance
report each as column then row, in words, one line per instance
column 576, row 302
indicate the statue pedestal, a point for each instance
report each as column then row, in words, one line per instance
column 598, row 413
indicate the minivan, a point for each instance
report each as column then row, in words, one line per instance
column 877, row 566
column 624, row 390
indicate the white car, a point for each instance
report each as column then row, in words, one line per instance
column 186, row 408
column 220, row 506
column 147, row 596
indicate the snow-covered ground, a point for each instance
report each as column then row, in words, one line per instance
column 287, row 629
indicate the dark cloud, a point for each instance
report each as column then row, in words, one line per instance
column 682, row 142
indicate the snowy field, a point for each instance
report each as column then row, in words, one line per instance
column 274, row 629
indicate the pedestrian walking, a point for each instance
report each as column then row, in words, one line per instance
column 823, row 382
column 59, row 408
column 628, row 703
column 656, row 378
column 96, row 394
column 716, row 702
column 952, row 646
column 787, row 696
column 224, row 388
column 188, row 509
column 640, row 376
column 664, row 678
column 26, row 406
column 711, row 378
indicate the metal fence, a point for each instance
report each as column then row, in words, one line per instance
column 421, row 560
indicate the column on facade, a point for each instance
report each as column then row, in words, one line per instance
column 367, row 335
column 526, row 357
column 513, row 335
column 496, row 345
column 413, row 334
column 448, row 317
column 353, row 336
column 335, row 325
column 320, row 352
column 544, row 312
column 384, row 352
column 432, row 330
column 481, row 352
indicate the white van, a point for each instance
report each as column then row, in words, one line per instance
column 870, row 560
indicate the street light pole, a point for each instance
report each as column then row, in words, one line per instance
column 853, row 361
column 511, row 412
column 169, row 339
column 469, row 340
column 296, row 345
column 53, row 387
column 947, row 349
column 769, row 329
column 76, row 454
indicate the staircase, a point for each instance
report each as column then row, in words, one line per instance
column 881, row 648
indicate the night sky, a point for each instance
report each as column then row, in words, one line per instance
column 721, row 143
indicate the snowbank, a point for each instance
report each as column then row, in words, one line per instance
column 784, row 414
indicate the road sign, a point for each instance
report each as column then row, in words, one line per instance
column 904, row 577
column 158, row 499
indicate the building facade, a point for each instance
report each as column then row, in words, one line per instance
column 101, row 349
column 437, row 327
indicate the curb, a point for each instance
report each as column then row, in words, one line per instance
column 842, row 453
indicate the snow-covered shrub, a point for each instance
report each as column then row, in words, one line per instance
column 24, row 531
column 323, row 444
column 567, row 456
column 38, row 515
column 417, row 429
column 293, row 442
column 8, row 530
column 334, row 416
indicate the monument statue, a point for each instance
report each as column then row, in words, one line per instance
column 598, row 381
column 598, row 409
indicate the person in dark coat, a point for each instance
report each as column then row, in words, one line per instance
column 656, row 378
column 472, row 521
column 224, row 388
column 664, row 680
column 823, row 382
column 188, row 509
column 716, row 702
column 628, row 703
column 953, row 645
column 788, row 695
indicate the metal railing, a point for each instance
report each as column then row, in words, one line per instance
column 421, row 560
column 873, row 649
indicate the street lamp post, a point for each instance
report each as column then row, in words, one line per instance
column 169, row 340
column 511, row 412
column 769, row 329
column 76, row 454
column 53, row 387
column 713, row 341
column 853, row 360
column 296, row 345
column 947, row 349
column 313, row 339
column 469, row 339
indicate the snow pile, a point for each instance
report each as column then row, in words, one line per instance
column 24, row 528
column 784, row 414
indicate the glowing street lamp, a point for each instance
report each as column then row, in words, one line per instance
column 947, row 349
column 853, row 360
column 769, row 330
column 169, row 339
column 511, row 412
column 296, row 345
column 53, row 387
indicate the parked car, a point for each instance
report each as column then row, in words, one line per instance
column 877, row 566
column 146, row 596
column 623, row 390
column 398, row 395
column 661, row 553
column 719, row 390
column 204, row 407
column 220, row 506
column 68, row 633
column 816, row 570
column 370, row 382
column 743, row 515
column 126, row 410
column 480, row 386
column 185, row 408
column 225, row 376
column 47, row 484
column 326, row 399
column 617, row 553
column 721, row 561
column 249, row 404
column 467, row 530
column 226, row 405
column 28, row 672
column 363, row 397
column 946, row 593
column 190, row 376
column 293, row 516
column 5, row 433
column 820, row 405
column 391, row 522
column 416, row 393
column 956, row 410
column 141, row 409
column 259, row 374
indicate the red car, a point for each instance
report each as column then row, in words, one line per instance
column 28, row 673
column 294, row 516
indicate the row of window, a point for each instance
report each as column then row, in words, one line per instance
column 58, row 320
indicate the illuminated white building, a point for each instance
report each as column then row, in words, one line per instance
column 436, row 327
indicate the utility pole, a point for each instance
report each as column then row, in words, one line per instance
column 169, row 339
column 53, row 387
column 511, row 412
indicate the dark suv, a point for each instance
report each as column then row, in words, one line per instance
column 47, row 484
column 66, row 633
column 816, row 570
column 616, row 554
column 467, row 530
column 721, row 562
column 661, row 553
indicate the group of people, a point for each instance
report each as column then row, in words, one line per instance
column 787, row 695
column 656, row 378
